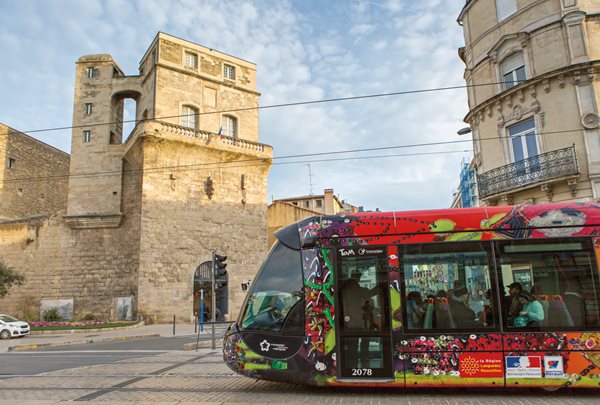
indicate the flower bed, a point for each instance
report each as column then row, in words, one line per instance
column 43, row 326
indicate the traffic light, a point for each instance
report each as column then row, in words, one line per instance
column 219, row 270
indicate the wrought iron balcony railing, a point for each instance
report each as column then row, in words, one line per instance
column 547, row 166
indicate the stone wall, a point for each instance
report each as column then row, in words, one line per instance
column 37, row 184
column 142, row 215
column 205, row 88
column 92, row 266
column 182, row 225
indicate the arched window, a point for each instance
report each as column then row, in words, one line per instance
column 189, row 117
column 229, row 126
column 513, row 71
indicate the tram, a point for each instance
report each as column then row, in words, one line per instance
column 486, row 297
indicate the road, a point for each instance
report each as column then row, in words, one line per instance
column 123, row 372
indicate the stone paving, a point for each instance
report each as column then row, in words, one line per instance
column 201, row 377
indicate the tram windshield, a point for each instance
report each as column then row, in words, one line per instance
column 277, row 288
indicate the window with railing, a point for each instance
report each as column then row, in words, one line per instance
column 524, row 144
column 229, row 126
column 189, row 117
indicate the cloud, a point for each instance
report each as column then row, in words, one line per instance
column 362, row 29
column 303, row 51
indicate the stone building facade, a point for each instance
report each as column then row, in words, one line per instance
column 33, row 176
column 532, row 67
column 144, row 210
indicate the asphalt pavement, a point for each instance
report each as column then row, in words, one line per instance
column 37, row 341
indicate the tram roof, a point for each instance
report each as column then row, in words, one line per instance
column 526, row 221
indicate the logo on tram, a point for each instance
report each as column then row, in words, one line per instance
column 523, row 367
column 553, row 367
column 360, row 252
column 264, row 346
column 480, row 365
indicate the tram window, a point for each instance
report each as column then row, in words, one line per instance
column 277, row 288
column 553, row 284
column 448, row 287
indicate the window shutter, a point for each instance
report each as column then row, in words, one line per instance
column 512, row 63
column 505, row 8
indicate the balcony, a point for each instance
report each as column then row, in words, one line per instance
column 209, row 139
column 544, row 168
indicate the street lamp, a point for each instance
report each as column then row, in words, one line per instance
column 464, row 131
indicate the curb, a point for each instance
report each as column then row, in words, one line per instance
column 77, row 342
column 66, row 331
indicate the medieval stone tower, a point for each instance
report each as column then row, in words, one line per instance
column 145, row 208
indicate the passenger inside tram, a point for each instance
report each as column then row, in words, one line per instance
column 462, row 314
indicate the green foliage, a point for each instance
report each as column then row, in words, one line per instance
column 52, row 315
column 88, row 317
column 8, row 278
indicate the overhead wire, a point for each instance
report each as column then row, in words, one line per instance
column 282, row 105
column 263, row 160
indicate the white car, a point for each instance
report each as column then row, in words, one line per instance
column 11, row 327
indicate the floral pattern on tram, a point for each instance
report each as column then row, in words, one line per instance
column 319, row 343
column 435, row 226
column 430, row 360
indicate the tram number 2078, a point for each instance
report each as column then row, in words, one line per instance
column 361, row 371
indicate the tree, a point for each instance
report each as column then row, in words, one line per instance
column 8, row 278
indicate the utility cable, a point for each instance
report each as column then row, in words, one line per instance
column 204, row 166
column 197, row 166
column 292, row 104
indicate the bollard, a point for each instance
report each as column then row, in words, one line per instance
column 173, row 324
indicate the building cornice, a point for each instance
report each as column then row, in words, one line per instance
column 591, row 69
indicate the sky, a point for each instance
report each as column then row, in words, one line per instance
column 305, row 50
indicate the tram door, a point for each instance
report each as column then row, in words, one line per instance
column 363, row 314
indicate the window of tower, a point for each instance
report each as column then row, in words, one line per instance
column 513, row 71
column 88, row 108
column 229, row 126
column 11, row 163
column 87, row 136
column 189, row 116
column 229, row 72
column 91, row 72
column 191, row 60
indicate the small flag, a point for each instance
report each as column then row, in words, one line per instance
column 220, row 132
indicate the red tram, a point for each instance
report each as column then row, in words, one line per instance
column 490, row 296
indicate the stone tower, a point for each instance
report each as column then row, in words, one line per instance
column 191, row 178
column 96, row 145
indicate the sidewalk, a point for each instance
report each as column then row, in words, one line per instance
column 33, row 341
